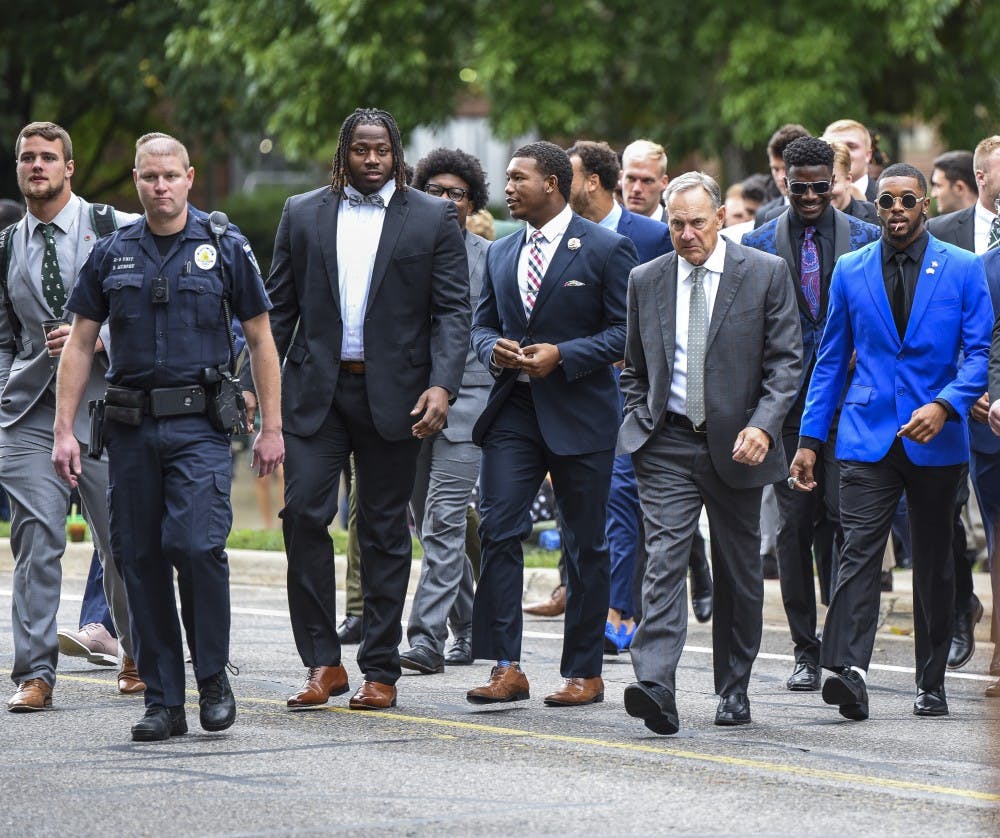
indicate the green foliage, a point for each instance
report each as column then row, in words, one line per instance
column 257, row 215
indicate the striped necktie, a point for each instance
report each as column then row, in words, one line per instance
column 994, row 239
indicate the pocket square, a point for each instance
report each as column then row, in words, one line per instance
column 573, row 283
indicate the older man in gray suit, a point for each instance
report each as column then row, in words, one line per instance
column 46, row 250
column 448, row 465
column 712, row 365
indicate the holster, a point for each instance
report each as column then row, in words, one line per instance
column 95, row 446
column 225, row 407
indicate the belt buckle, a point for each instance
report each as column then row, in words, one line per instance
column 699, row 429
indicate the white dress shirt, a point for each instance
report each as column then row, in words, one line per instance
column 359, row 230
column 66, row 242
column 677, row 401
column 981, row 235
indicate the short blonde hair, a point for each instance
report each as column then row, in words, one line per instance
column 645, row 150
column 161, row 145
column 841, row 156
column 849, row 125
column 983, row 150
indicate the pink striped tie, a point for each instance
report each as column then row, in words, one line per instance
column 536, row 270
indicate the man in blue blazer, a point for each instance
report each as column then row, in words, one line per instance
column 908, row 306
column 550, row 322
column 810, row 225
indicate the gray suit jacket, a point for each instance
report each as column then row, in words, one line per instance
column 476, row 380
column 957, row 228
column 26, row 376
column 752, row 363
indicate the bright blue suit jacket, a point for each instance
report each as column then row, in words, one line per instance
column 581, row 309
column 651, row 238
column 951, row 315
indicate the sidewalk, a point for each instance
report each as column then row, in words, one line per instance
column 267, row 568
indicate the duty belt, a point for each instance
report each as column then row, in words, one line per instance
column 128, row 405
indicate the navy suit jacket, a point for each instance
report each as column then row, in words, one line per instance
column 650, row 237
column 581, row 309
column 957, row 228
column 982, row 439
column 775, row 237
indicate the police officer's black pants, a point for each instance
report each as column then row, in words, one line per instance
column 168, row 494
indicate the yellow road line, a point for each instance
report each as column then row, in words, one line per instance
column 633, row 747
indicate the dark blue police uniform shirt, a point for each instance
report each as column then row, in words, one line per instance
column 157, row 345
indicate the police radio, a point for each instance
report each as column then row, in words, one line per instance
column 226, row 409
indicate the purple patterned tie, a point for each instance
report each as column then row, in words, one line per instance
column 536, row 270
column 809, row 272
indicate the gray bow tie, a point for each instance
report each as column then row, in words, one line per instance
column 374, row 200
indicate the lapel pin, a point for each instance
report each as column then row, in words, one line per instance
column 934, row 263
column 573, row 244
column 930, row 270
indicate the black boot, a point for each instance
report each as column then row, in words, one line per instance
column 215, row 698
column 159, row 723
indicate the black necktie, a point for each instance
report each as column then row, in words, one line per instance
column 899, row 295
column 374, row 200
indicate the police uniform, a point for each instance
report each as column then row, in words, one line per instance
column 170, row 475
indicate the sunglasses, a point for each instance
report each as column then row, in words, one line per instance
column 800, row 187
column 887, row 201
column 456, row 193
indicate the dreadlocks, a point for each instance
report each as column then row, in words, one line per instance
column 367, row 116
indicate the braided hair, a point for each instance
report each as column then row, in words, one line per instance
column 367, row 116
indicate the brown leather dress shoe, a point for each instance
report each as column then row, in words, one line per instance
column 33, row 694
column 576, row 691
column 552, row 607
column 993, row 690
column 129, row 682
column 322, row 682
column 373, row 696
column 507, row 683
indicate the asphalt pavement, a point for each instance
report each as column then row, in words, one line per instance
column 436, row 764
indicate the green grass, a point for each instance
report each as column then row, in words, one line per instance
column 534, row 557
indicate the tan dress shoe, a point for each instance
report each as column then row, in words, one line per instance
column 552, row 607
column 576, row 691
column 993, row 690
column 373, row 696
column 507, row 683
column 33, row 694
column 129, row 682
column 322, row 682
column 93, row 642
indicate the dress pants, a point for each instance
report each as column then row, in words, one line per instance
column 676, row 478
column 169, row 484
column 39, row 501
column 515, row 460
column 802, row 519
column 985, row 471
column 384, row 480
column 623, row 533
column 869, row 493
column 446, row 475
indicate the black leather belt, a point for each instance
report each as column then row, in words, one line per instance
column 681, row 421
column 353, row 367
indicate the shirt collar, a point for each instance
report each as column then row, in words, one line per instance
column 63, row 220
column 612, row 218
column 715, row 262
column 915, row 250
column 554, row 227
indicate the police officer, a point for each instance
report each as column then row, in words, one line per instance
column 161, row 283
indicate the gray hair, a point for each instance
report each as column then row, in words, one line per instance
column 694, row 180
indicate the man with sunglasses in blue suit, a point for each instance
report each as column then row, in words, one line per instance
column 811, row 235
column 908, row 306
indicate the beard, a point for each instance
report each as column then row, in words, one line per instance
column 40, row 191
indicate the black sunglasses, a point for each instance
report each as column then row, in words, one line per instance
column 887, row 201
column 456, row 193
column 800, row 187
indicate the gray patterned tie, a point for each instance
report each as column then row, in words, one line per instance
column 52, row 287
column 994, row 239
column 696, row 338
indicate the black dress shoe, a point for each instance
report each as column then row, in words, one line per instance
column 349, row 631
column 963, row 638
column 701, row 590
column 734, row 709
column 653, row 704
column 459, row 653
column 847, row 690
column 805, row 678
column 159, row 723
column 423, row 660
column 216, row 702
column 930, row 703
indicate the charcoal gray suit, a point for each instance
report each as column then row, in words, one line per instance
column 753, row 362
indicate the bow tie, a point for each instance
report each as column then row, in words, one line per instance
column 374, row 200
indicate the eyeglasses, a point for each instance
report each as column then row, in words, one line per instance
column 800, row 187
column 456, row 193
column 887, row 201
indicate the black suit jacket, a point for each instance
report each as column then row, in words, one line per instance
column 957, row 228
column 417, row 315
